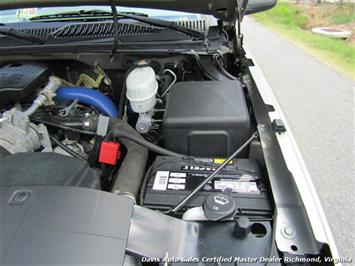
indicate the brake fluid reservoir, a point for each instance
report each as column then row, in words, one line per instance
column 142, row 87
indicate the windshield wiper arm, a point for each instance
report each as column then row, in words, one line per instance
column 11, row 32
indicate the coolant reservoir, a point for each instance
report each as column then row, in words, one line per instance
column 142, row 87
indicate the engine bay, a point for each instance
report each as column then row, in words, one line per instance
column 175, row 140
column 147, row 138
column 152, row 129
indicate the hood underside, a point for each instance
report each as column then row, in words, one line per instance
column 222, row 9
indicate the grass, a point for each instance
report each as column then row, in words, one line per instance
column 342, row 14
column 293, row 21
column 342, row 19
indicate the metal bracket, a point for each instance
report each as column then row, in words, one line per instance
column 293, row 233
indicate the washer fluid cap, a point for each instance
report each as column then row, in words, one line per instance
column 219, row 206
column 142, row 87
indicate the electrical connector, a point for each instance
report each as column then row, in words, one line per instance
column 110, row 152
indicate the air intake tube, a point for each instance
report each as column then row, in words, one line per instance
column 131, row 172
column 89, row 97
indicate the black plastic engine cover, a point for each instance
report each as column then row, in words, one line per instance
column 47, row 169
column 19, row 80
column 171, row 179
column 63, row 226
column 206, row 118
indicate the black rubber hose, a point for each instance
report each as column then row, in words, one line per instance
column 141, row 141
column 130, row 175
column 118, row 131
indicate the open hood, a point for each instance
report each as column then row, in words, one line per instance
column 226, row 10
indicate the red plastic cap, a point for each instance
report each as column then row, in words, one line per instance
column 110, row 152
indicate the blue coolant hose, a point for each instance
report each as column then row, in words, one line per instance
column 89, row 97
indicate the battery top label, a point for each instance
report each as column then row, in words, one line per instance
column 166, row 180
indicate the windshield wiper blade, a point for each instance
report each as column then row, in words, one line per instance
column 11, row 32
column 93, row 13
column 164, row 24
column 141, row 17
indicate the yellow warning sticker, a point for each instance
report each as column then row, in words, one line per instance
column 221, row 160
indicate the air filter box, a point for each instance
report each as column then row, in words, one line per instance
column 206, row 118
column 20, row 80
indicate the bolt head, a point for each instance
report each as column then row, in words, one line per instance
column 288, row 232
column 242, row 227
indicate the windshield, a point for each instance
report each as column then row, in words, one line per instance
column 25, row 14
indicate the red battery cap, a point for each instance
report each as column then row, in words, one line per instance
column 110, row 152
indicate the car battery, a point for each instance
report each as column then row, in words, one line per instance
column 171, row 179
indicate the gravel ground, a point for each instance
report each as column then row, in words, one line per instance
column 319, row 105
